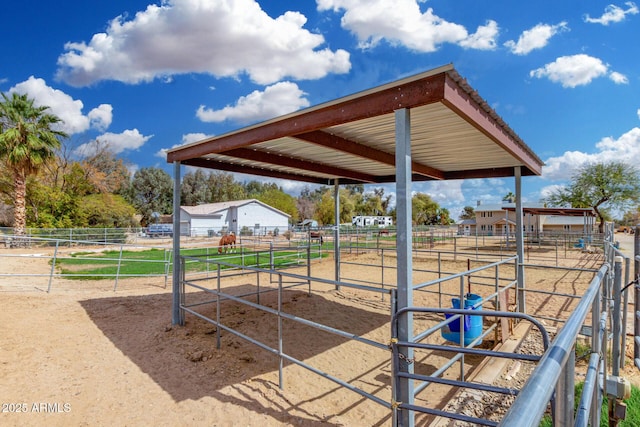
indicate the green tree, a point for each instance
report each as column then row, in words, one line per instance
column 601, row 186
column 308, row 201
column 280, row 200
column 151, row 191
column 49, row 206
column 354, row 188
column 195, row 189
column 254, row 189
column 443, row 217
column 107, row 210
column 224, row 187
column 104, row 170
column 425, row 210
column 467, row 213
column 325, row 209
column 324, row 212
column 509, row 197
column 28, row 138
column 631, row 217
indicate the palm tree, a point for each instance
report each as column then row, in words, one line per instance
column 510, row 197
column 27, row 140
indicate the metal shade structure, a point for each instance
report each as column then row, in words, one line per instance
column 431, row 126
column 454, row 135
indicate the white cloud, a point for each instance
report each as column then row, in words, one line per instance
column 624, row 149
column 484, row 38
column 115, row 142
column 194, row 137
column 441, row 191
column 613, row 13
column 187, row 138
column 549, row 190
column 101, row 117
column 638, row 113
column 572, row 71
column 65, row 107
column 618, row 78
column 535, row 38
column 221, row 38
column 400, row 22
column 278, row 99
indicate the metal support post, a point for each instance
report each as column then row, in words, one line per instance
column 336, row 238
column 522, row 306
column 564, row 398
column 405, row 392
column 636, row 308
column 616, row 318
column 177, row 315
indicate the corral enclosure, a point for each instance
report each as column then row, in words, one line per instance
column 239, row 380
column 313, row 323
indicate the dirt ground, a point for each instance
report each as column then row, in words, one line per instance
column 84, row 355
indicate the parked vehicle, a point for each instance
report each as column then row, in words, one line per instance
column 160, row 230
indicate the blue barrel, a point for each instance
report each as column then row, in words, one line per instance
column 472, row 327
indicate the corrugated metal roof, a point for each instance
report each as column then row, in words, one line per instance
column 213, row 208
column 454, row 135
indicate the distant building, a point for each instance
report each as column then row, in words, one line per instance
column 308, row 223
column 500, row 220
column 371, row 221
column 240, row 216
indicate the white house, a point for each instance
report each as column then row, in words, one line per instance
column 239, row 216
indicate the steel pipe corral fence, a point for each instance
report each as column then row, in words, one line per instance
column 84, row 246
column 294, row 280
column 555, row 372
column 555, row 366
column 606, row 299
column 291, row 255
column 498, row 284
column 400, row 363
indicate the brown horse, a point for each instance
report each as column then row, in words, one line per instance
column 316, row 235
column 227, row 240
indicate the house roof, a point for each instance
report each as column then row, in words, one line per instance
column 454, row 135
column 579, row 212
column 506, row 206
column 214, row 208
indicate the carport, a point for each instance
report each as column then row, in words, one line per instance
column 430, row 126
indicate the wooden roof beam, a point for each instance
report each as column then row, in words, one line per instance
column 338, row 143
column 264, row 157
column 231, row 167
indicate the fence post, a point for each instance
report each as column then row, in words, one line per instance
column 309, row 269
column 636, row 310
column 115, row 285
column 168, row 256
column 565, row 394
column 617, row 287
column 625, row 313
column 53, row 265
column 280, row 352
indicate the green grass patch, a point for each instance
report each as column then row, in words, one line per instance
column 633, row 409
column 154, row 262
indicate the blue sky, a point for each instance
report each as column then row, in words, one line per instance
column 144, row 77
